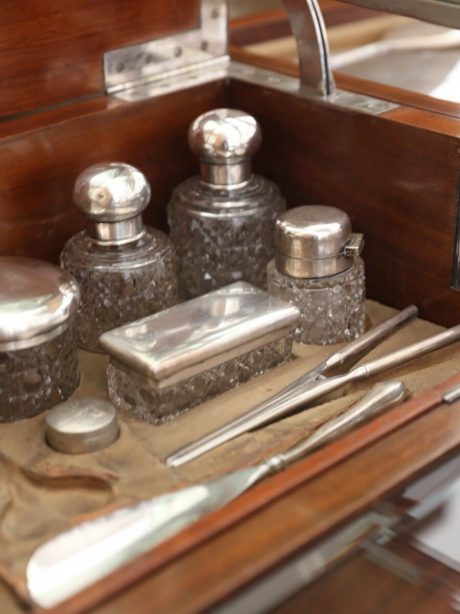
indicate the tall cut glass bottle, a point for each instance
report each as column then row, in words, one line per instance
column 125, row 270
column 222, row 221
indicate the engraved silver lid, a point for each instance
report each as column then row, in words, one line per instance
column 36, row 302
column 315, row 241
column 113, row 196
column 195, row 336
column 81, row 425
column 225, row 140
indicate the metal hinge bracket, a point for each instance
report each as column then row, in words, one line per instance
column 199, row 56
column 171, row 63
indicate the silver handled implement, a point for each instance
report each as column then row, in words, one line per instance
column 382, row 396
column 75, row 559
column 346, row 356
column 256, row 417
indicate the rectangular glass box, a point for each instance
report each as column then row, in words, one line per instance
column 169, row 362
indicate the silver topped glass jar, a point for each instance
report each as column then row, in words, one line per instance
column 125, row 270
column 167, row 363
column 222, row 221
column 317, row 268
column 38, row 356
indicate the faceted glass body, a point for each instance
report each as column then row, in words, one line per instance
column 134, row 393
column 223, row 235
column 332, row 308
column 36, row 378
column 119, row 284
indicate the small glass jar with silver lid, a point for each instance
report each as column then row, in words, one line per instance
column 222, row 220
column 125, row 270
column 38, row 355
column 172, row 361
column 317, row 268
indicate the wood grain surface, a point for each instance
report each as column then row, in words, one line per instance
column 51, row 52
column 39, row 164
column 397, row 181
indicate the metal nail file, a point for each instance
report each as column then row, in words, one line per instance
column 305, row 395
column 75, row 559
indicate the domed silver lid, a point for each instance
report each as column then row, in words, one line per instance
column 225, row 140
column 113, row 195
column 315, row 241
column 36, row 302
column 79, row 426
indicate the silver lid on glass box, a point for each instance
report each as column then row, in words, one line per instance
column 315, row 241
column 197, row 335
column 37, row 300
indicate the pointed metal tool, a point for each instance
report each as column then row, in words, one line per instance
column 325, row 378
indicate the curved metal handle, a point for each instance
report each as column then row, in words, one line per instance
column 308, row 27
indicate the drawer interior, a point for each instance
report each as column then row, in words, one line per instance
column 43, row 492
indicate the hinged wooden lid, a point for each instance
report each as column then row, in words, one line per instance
column 52, row 52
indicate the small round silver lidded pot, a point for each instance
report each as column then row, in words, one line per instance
column 222, row 220
column 125, row 270
column 38, row 355
column 318, row 269
column 79, row 426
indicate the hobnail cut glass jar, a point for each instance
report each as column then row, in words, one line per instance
column 119, row 284
column 170, row 362
column 38, row 352
column 317, row 268
column 221, row 235
column 125, row 271
column 332, row 309
column 222, row 221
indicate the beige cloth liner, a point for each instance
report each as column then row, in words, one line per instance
column 43, row 492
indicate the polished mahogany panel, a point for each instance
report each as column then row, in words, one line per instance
column 39, row 165
column 51, row 51
column 399, row 183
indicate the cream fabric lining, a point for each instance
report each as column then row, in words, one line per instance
column 43, row 492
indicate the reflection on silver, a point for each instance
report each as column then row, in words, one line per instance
column 311, row 241
column 73, row 560
column 394, row 59
column 37, row 300
column 199, row 334
column 113, row 195
column 225, row 140
column 442, row 12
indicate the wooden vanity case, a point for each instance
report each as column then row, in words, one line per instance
column 395, row 173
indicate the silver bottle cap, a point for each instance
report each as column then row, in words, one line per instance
column 81, row 425
column 113, row 196
column 315, row 241
column 225, row 140
column 36, row 302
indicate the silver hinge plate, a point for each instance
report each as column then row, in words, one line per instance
column 173, row 62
